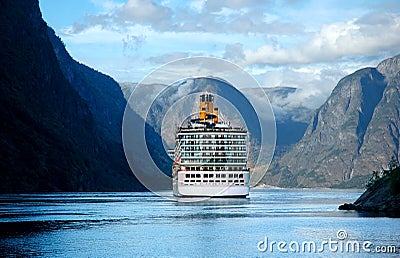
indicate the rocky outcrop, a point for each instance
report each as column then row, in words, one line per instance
column 382, row 196
column 355, row 131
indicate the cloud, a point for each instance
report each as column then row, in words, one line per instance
column 143, row 11
column 93, row 35
column 107, row 5
column 166, row 58
column 389, row 5
column 276, row 41
column 367, row 35
column 234, row 52
column 238, row 16
column 313, row 83
column 216, row 6
column 198, row 5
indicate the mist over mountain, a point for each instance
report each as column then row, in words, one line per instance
column 291, row 118
column 354, row 132
column 286, row 105
column 61, row 120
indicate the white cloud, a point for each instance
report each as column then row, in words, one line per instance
column 238, row 16
column 93, row 34
column 215, row 6
column 277, row 43
column 107, row 5
column 138, row 11
column 198, row 5
column 314, row 83
column 234, row 52
column 166, row 58
column 362, row 36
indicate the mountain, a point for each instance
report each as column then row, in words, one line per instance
column 61, row 121
column 102, row 93
column 354, row 132
column 291, row 118
column 286, row 108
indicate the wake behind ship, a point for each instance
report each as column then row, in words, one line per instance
column 210, row 156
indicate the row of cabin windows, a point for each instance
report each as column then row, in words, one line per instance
column 214, row 175
column 185, row 160
column 212, row 136
column 205, row 142
column 220, row 144
column 213, row 154
column 216, row 168
column 209, row 148
column 216, row 181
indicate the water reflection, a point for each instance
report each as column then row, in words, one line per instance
column 376, row 214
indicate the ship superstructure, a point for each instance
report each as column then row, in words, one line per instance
column 210, row 156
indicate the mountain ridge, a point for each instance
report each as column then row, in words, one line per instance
column 100, row 91
column 52, row 138
column 336, row 149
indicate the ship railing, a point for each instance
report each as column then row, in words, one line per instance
column 205, row 129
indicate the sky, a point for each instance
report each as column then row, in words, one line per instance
column 309, row 45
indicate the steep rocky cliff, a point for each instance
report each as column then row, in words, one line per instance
column 354, row 132
column 102, row 93
column 59, row 132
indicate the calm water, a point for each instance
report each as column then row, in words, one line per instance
column 141, row 224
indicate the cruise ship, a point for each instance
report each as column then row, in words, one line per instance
column 210, row 156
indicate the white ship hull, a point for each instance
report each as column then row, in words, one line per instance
column 240, row 188
column 211, row 191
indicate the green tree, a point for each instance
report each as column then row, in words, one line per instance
column 375, row 176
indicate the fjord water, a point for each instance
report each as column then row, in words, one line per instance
column 143, row 224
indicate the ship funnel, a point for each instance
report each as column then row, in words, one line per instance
column 216, row 115
column 207, row 106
